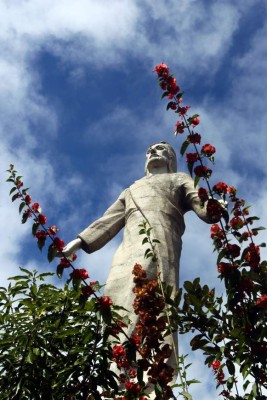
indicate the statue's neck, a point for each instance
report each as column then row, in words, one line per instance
column 158, row 170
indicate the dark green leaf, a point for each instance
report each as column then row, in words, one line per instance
column 12, row 190
column 196, row 180
column 22, row 205
column 60, row 269
column 52, row 252
column 184, row 147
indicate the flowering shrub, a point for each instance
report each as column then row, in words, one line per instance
column 228, row 336
column 61, row 342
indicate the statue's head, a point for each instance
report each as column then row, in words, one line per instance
column 161, row 154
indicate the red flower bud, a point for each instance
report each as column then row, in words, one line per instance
column 105, row 302
column 203, row 194
column 58, row 244
column 162, row 70
column 42, row 219
column 36, row 208
column 79, row 274
column 208, row 150
column 28, row 199
column 201, row 171
column 194, row 138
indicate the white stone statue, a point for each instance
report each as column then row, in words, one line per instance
column 163, row 196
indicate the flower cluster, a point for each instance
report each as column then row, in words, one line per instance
column 150, row 329
column 128, row 375
column 41, row 232
column 219, row 374
column 172, row 91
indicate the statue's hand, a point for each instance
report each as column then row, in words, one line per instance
column 71, row 248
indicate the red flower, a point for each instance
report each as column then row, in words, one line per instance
column 28, row 199
column 172, row 86
column 216, row 232
column 208, row 150
column 214, row 210
column 203, row 194
column 194, row 138
column 135, row 339
column 215, row 365
column 118, row 351
column 202, row 171
column 191, row 157
column 225, row 393
column 253, row 256
column 172, row 105
column 179, row 127
column 52, row 230
column 42, row 219
column 194, row 121
column 262, row 302
column 105, row 302
column 220, row 187
column 233, row 250
column 220, row 377
column 87, row 291
column 36, row 208
column 231, row 190
column 236, row 223
column 79, row 274
column 41, row 234
column 183, row 110
column 162, row 70
column 58, row 244
column 224, row 268
column 132, row 387
column 65, row 262
column 245, row 235
column 119, row 355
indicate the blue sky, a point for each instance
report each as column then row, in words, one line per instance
column 80, row 105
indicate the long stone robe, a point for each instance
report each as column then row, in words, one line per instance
column 163, row 199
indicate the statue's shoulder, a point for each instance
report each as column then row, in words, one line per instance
column 180, row 177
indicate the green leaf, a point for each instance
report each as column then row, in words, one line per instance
column 52, row 252
column 145, row 240
column 35, row 227
column 14, row 197
column 190, row 168
column 221, row 255
column 165, row 94
column 196, row 180
column 231, row 367
column 188, row 286
column 187, row 395
column 60, row 269
column 22, row 205
column 168, row 105
column 41, row 243
column 12, row 190
column 24, row 218
column 184, row 147
column 148, row 232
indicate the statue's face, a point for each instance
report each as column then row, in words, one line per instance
column 157, row 156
